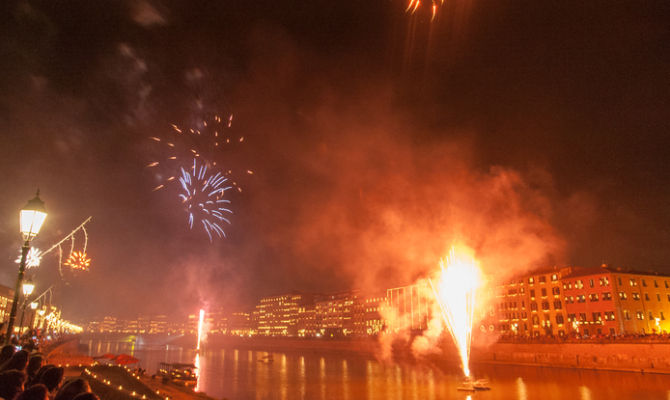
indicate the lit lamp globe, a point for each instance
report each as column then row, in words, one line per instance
column 28, row 288
column 32, row 218
column 33, row 305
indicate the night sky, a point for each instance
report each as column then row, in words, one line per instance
column 535, row 132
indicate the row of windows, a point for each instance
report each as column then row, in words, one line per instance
column 579, row 284
column 636, row 296
column 604, row 281
column 593, row 297
column 633, row 282
column 595, row 317
column 640, row 315
column 542, row 279
column 543, row 292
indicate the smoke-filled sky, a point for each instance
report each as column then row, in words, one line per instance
column 535, row 132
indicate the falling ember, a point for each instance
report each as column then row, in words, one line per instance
column 201, row 320
column 455, row 294
column 414, row 5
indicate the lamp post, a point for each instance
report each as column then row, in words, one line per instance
column 28, row 288
column 33, row 308
column 31, row 218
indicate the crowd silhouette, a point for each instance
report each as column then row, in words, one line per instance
column 24, row 376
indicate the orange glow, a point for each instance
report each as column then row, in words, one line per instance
column 78, row 260
column 455, row 294
column 201, row 319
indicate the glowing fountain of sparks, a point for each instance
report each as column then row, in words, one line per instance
column 455, row 294
column 201, row 321
column 413, row 5
column 33, row 258
column 202, row 195
column 78, row 260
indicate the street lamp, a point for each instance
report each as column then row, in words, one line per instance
column 28, row 288
column 31, row 218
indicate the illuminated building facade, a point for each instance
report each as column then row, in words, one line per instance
column 158, row 324
column 411, row 306
column 278, row 315
column 605, row 301
column 239, row 324
column 533, row 305
column 6, row 298
column 367, row 315
column 307, row 325
column 334, row 313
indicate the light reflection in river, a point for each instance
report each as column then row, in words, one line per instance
column 242, row 374
column 521, row 389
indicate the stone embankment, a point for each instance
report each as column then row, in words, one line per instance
column 636, row 357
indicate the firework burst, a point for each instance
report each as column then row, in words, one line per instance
column 202, row 195
column 414, row 5
column 33, row 258
column 78, row 260
column 207, row 140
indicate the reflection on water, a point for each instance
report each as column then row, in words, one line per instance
column 241, row 374
column 521, row 389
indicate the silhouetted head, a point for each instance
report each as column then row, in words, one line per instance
column 34, row 364
column 18, row 361
column 6, row 353
column 11, row 383
column 35, row 392
column 52, row 378
column 72, row 388
column 41, row 371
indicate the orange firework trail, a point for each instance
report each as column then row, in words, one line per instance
column 206, row 140
column 414, row 5
column 455, row 294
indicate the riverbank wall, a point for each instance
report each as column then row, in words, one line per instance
column 634, row 357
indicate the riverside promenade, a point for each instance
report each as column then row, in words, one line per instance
column 114, row 382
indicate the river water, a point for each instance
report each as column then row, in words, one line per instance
column 242, row 374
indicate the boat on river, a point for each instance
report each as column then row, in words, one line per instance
column 473, row 385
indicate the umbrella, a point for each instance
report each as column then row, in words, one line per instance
column 125, row 359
